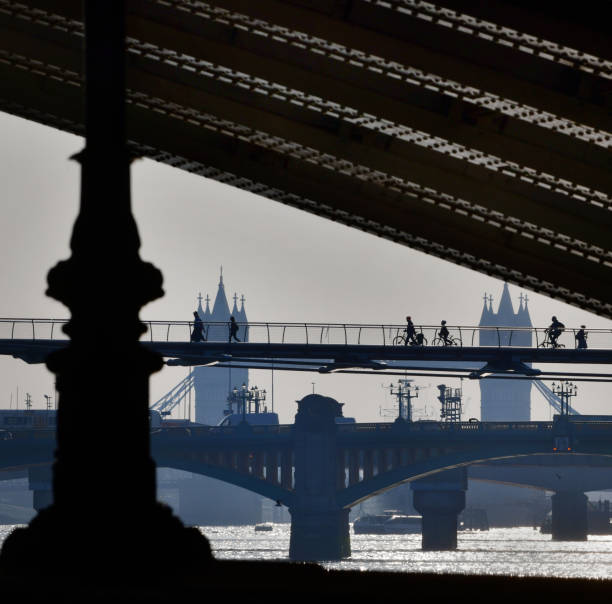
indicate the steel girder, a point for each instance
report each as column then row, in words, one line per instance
column 339, row 139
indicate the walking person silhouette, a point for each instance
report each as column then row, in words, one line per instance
column 581, row 337
column 197, row 334
column 410, row 332
column 233, row 329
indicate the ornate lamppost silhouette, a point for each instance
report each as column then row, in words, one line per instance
column 404, row 392
column 565, row 391
column 104, row 519
column 245, row 397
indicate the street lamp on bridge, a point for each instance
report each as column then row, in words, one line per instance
column 243, row 396
column 565, row 391
column 404, row 392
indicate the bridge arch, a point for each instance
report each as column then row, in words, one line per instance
column 245, row 481
column 356, row 493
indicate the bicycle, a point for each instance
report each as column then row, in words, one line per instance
column 548, row 343
column 450, row 341
column 400, row 340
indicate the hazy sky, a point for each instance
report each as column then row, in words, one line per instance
column 290, row 265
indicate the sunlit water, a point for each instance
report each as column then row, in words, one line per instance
column 509, row 552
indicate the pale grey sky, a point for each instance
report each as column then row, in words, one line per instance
column 290, row 265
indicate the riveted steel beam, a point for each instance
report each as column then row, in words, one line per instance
column 586, row 29
column 391, row 34
column 319, row 128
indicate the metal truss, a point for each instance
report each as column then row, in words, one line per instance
column 350, row 155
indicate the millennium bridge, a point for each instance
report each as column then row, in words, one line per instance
column 339, row 348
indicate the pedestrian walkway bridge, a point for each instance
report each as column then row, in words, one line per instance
column 332, row 347
column 317, row 333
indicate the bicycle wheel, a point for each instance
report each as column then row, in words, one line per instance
column 437, row 342
column 453, row 342
column 399, row 341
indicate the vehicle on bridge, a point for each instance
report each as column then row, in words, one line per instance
column 254, row 419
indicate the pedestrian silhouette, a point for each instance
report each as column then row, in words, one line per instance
column 410, row 332
column 233, row 330
column 197, row 334
column 444, row 333
column 581, row 337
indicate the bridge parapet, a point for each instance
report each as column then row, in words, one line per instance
column 323, row 333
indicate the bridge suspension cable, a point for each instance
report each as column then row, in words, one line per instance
column 551, row 398
column 174, row 397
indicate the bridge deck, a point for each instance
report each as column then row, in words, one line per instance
column 327, row 347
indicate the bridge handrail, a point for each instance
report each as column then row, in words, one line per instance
column 269, row 332
column 432, row 425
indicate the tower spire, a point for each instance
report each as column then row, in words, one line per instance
column 505, row 311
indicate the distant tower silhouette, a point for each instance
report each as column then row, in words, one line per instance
column 505, row 400
column 211, row 384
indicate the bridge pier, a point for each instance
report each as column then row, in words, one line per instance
column 439, row 499
column 40, row 482
column 569, row 516
column 319, row 526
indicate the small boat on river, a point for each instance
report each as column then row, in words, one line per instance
column 263, row 526
column 388, row 523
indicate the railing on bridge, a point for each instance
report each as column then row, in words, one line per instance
column 417, row 427
column 320, row 333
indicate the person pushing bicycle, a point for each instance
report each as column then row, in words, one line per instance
column 444, row 333
column 410, row 332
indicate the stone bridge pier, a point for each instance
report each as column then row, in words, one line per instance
column 40, row 482
column 439, row 499
column 569, row 516
column 319, row 526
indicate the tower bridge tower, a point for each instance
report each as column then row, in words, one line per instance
column 211, row 384
column 505, row 400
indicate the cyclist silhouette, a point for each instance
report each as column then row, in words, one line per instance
column 554, row 331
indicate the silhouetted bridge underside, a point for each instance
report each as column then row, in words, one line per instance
column 445, row 130
column 369, row 458
column 330, row 358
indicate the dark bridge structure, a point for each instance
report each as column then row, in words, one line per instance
column 319, row 469
column 478, row 132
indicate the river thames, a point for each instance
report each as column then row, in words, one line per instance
column 499, row 551
column 518, row 552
